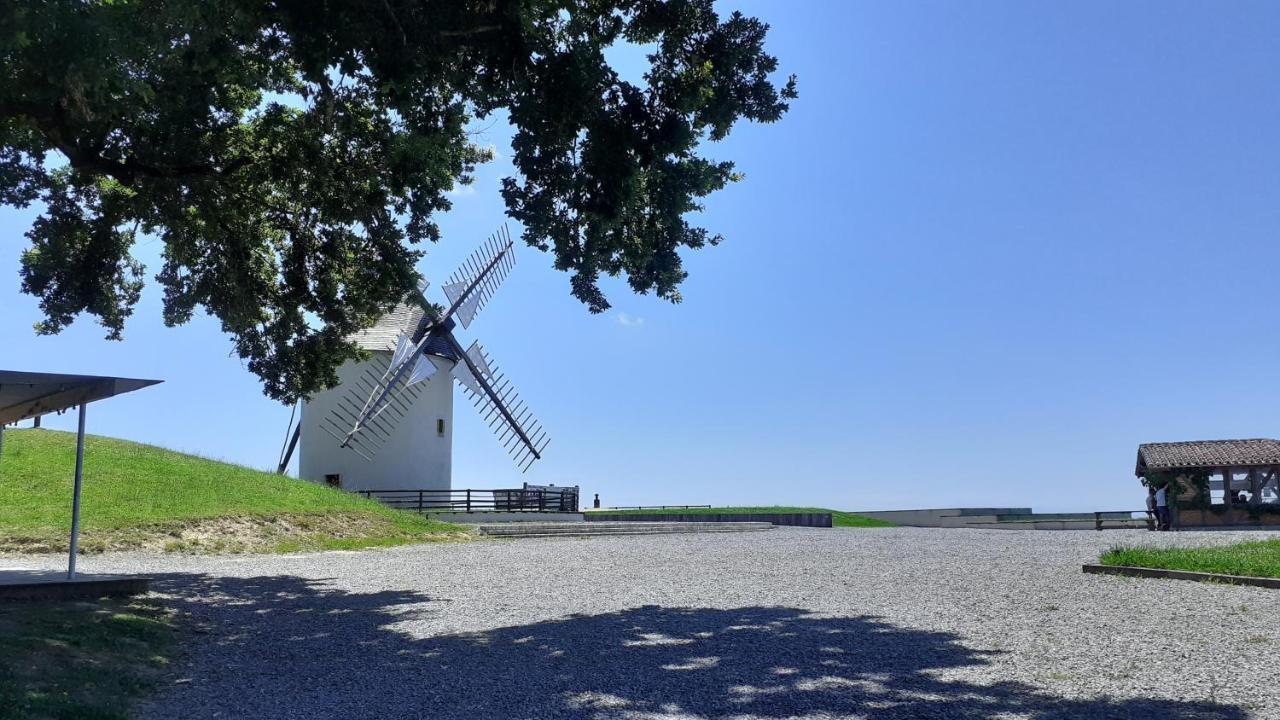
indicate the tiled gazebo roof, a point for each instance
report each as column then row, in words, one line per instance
column 1207, row 454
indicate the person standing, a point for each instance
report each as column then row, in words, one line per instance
column 1162, row 507
column 1152, row 516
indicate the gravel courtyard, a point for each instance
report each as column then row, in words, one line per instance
column 793, row 623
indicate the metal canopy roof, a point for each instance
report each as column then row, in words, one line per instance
column 30, row 394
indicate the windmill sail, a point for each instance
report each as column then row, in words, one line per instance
column 467, row 290
column 378, row 400
column 423, row 369
column 501, row 407
column 403, row 345
column 473, row 284
column 376, row 428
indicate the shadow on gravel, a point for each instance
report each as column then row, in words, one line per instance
column 275, row 647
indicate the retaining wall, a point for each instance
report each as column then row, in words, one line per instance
column 943, row 517
column 473, row 518
column 792, row 519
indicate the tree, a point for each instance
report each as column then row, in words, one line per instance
column 290, row 155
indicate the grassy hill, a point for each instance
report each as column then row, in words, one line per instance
column 140, row 496
column 839, row 518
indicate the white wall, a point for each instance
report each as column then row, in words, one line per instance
column 415, row 458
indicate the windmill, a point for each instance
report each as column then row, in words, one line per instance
column 373, row 405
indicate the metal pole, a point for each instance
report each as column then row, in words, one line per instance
column 288, row 454
column 75, row 497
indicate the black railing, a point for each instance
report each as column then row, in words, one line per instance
column 659, row 507
column 479, row 500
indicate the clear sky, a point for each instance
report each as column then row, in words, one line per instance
column 992, row 248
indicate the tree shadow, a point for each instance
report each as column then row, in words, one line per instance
column 284, row 646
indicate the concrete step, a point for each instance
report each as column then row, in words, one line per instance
column 1057, row 525
column 485, row 518
column 584, row 529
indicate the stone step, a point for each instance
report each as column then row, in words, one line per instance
column 604, row 528
column 1058, row 525
column 618, row 533
column 583, row 529
column 1037, row 525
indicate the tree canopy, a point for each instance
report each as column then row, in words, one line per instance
column 291, row 155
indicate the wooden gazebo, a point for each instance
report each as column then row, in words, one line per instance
column 1251, row 467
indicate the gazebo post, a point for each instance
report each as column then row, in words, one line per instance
column 75, row 497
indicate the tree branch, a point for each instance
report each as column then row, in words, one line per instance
column 126, row 170
column 469, row 32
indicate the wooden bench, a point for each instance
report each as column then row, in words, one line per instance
column 1099, row 521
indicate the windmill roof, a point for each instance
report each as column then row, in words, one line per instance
column 385, row 332
column 437, row 345
column 1207, row 453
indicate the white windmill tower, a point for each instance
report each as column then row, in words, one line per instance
column 388, row 425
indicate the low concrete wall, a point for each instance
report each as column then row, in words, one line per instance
column 54, row 585
column 791, row 519
column 942, row 517
column 504, row 517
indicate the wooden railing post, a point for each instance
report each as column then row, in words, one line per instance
column 419, row 502
column 468, row 499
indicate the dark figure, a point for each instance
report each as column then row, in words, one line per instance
column 1153, row 519
column 597, row 501
column 1162, row 507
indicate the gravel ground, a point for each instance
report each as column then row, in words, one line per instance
column 793, row 623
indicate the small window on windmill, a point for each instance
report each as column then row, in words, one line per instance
column 333, row 480
column 440, row 427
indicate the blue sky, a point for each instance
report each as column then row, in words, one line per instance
column 992, row 248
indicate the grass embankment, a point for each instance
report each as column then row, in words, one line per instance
column 838, row 518
column 145, row 497
column 81, row 659
column 1255, row 559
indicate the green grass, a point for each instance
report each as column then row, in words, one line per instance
column 1255, row 559
column 838, row 518
column 86, row 660
column 138, row 495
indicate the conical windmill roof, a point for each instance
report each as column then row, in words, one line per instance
column 385, row 332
